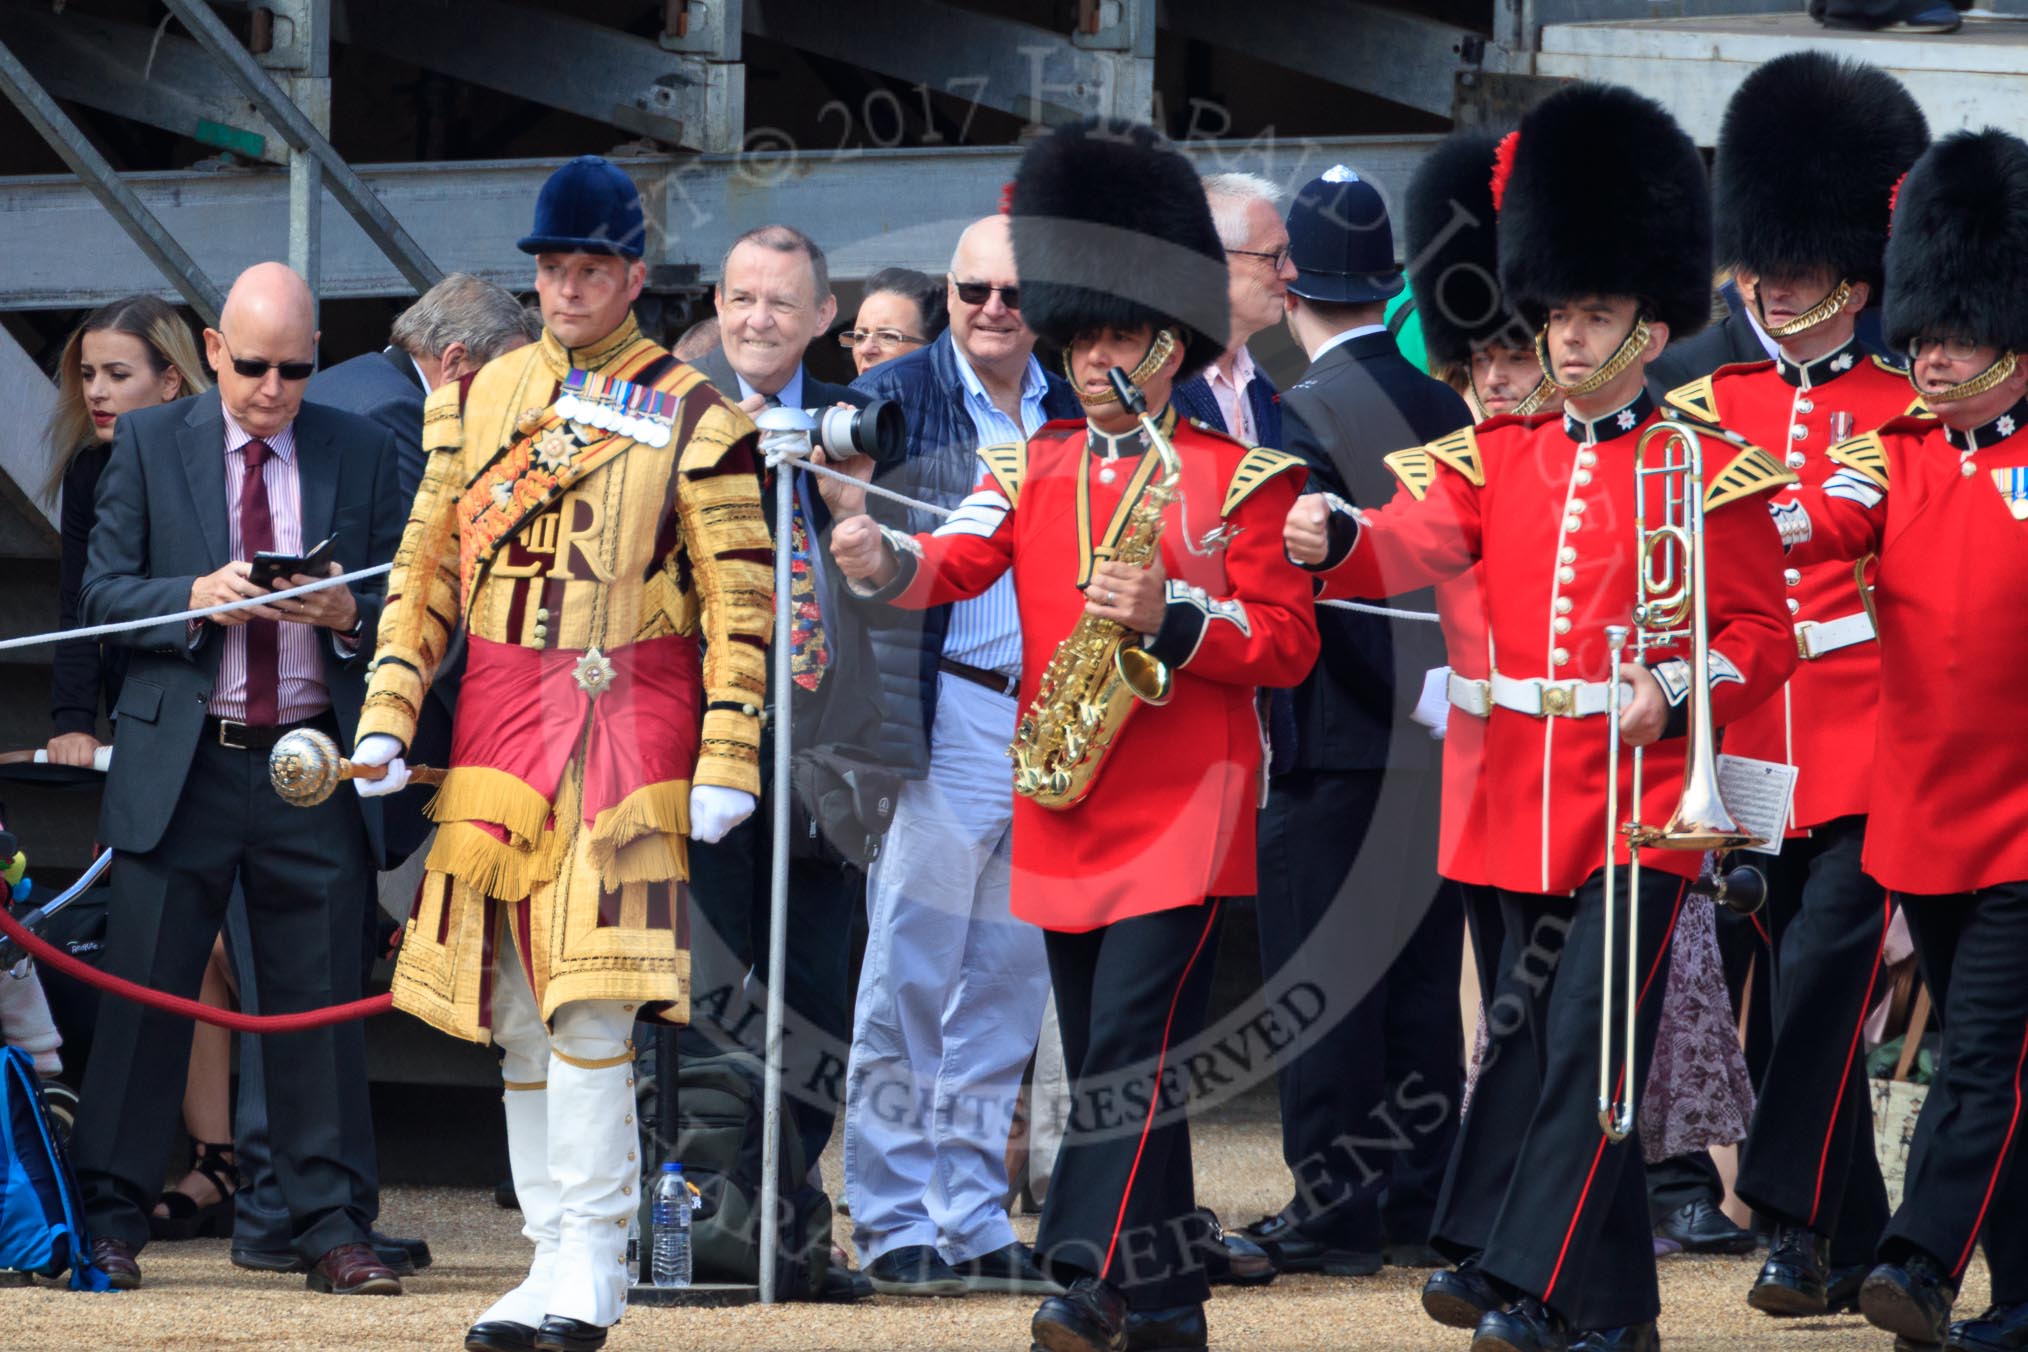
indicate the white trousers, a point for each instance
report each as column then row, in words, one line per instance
column 950, row 1000
column 573, row 1147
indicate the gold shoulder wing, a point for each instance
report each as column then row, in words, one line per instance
column 1460, row 450
column 1699, row 399
column 1007, row 462
column 1415, row 467
column 1751, row 471
column 443, row 426
column 1255, row 468
column 1865, row 455
column 721, row 427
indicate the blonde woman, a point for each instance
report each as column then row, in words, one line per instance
column 131, row 354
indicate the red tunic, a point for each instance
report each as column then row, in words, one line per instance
column 1950, row 782
column 1822, row 720
column 1170, row 819
column 1461, row 614
column 1551, row 524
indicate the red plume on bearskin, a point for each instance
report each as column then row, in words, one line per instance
column 1503, row 166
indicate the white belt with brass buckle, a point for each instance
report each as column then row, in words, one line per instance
column 1815, row 638
column 1469, row 696
column 1550, row 699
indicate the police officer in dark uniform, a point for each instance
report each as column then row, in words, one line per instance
column 1350, row 904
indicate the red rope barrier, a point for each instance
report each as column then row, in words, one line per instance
column 43, row 951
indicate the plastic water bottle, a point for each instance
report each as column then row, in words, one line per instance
column 670, row 1217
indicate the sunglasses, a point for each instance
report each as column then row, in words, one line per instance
column 257, row 370
column 883, row 337
column 977, row 293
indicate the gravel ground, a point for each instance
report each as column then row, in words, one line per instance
column 195, row 1300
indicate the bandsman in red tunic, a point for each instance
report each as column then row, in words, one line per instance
column 1120, row 264
column 1807, row 230
column 1944, row 504
column 1478, row 343
column 1604, row 241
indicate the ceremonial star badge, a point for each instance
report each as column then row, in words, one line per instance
column 1627, row 420
column 552, row 452
column 1843, row 362
column 2005, row 427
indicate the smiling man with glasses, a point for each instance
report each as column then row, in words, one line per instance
column 1233, row 395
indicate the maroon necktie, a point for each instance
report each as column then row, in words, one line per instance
column 263, row 637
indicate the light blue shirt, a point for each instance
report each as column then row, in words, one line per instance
column 985, row 631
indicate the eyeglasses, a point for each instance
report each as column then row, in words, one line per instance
column 977, row 293
column 257, row 370
column 879, row 338
column 1954, row 349
column 1275, row 259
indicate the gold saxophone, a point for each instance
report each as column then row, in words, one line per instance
column 1100, row 672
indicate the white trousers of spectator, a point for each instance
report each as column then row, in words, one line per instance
column 1048, row 1105
column 573, row 1148
column 950, row 1000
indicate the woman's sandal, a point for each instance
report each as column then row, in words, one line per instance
column 187, row 1218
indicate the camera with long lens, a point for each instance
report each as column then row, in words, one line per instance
column 877, row 430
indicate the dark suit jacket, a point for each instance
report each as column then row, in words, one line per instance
column 1730, row 340
column 1359, row 401
column 1194, row 399
column 84, row 669
column 162, row 523
column 385, row 387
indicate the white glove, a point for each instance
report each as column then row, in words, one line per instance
column 715, row 810
column 380, row 749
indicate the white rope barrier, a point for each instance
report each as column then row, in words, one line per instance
column 250, row 602
column 202, row 612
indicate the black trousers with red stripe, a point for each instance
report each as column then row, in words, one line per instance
column 1572, row 1229
column 1510, row 962
column 1966, row 1170
column 1809, row 1158
column 1130, row 999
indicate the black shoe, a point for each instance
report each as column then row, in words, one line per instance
column 2003, row 1328
column 1461, row 1297
column 559, row 1334
column 1841, row 1288
column 1231, row 1260
column 1293, row 1251
column 406, row 1256
column 1632, row 1338
column 914, row 1270
column 1008, row 1271
column 1090, row 1317
column 267, row 1260
column 843, row 1286
column 1701, row 1227
column 499, row 1335
column 1180, row 1328
column 1791, row 1282
column 1911, row 1300
column 504, row 1197
column 1524, row 1326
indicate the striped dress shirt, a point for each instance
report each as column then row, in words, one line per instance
column 985, row 631
column 300, row 691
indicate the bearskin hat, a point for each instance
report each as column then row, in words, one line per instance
column 1808, row 155
column 1112, row 230
column 1453, row 252
column 1957, row 260
column 1607, row 198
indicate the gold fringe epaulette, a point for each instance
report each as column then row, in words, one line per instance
column 1460, row 450
column 639, row 838
column 482, row 861
column 1415, row 467
column 1751, row 471
column 1865, row 455
column 1255, row 468
column 1007, row 462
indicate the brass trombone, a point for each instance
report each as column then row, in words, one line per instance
column 1669, row 611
